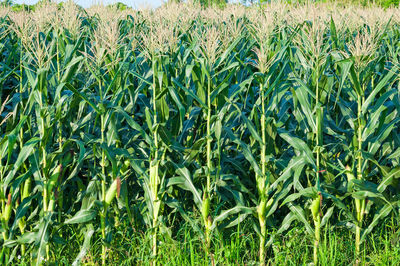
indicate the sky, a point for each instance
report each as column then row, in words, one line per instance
column 87, row 3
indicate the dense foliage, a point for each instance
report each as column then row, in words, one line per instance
column 210, row 118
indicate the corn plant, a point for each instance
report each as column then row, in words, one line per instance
column 309, row 99
column 366, row 87
column 269, row 59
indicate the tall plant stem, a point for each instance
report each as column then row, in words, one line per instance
column 360, row 204
column 208, row 135
column 206, row 210
column 263, row 230
column 318, row 128
column 261, row 180
column 263, row 136
column 45, row 189
column 45, row 192
column 154, row 179
column 21, row 131
column 58, row 80
column 59, row 132
column 318, row 138
column 103, row 185
column 317, row 225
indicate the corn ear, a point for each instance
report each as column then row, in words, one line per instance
column 349, row 174
column 27, row 188
column 7, row 209
column 315, row 205
column 113, row 191
column 261, row 208
column 54, row 177
column 205, row 207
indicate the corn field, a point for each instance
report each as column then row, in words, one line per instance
column 274, row 115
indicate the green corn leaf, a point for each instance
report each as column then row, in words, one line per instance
column 25, row 152
column 382, row 83
column 86, row 245
column 82, row 216
column 380, row 214
column 300, row 215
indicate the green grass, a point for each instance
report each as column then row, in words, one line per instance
column 239, row 247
